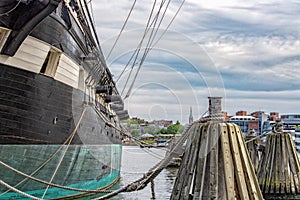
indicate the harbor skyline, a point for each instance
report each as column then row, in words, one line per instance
column 253, row 59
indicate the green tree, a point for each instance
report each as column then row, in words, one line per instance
column 150, row 130
column 135, row 132
column 175, row 128
column 162, row 131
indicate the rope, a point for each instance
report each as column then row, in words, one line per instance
column 18, row 191
column 131, row 9
column 141, row 42
column 258, row 137
column 148, row 48
column 138, row 48
column 152, row 173
column 212, row 117
column 51, row 184
column 11, row 10
column 42, row 165
column 65, row 151
column 170, row 23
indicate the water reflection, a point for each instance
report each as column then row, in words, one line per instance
column 137, row 161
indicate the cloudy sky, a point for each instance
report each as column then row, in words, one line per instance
column 246, row 51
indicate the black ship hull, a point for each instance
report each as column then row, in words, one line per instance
column 54, row 126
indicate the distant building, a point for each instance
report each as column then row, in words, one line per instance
column 241, row 113
column 246, row 123
column 163, row 123
column 262, row 117
column 191, row 116
column 291, row 121
column 257, row 113
column 226, row 116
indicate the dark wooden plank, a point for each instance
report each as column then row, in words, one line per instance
column 250, row 176
column 239, row 171
column 228, row 162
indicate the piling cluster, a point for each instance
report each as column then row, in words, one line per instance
column 216, row 164
column 219, row 164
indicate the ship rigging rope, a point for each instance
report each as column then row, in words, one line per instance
column 11, row 10
column 118, row 37
column 148, row 25
column 150, row 48
column 139, row 46
column 66, row 149
column 135, row 140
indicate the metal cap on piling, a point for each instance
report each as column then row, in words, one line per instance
column 214, row 110
column 215, row 105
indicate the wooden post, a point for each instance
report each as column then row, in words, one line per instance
column 252, row 143
column 279, row 169
column 216, row 164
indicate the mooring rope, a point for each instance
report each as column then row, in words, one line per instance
column 258, row 137
column 18, row 191
column 135, row 140
column 42, row 165
column 52, row 184
column 152, row 173
column 66, row 149
column 49, row 183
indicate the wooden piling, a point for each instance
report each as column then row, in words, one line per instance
column 252, row 143
column 216, row 163
column 279, row 170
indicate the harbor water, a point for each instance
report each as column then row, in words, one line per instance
column 135, row 162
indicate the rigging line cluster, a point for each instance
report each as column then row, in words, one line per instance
column 140, row 45
column 150, row 44
column 118, row 37
column 151, row 38
column 156, row 17
column 6, row 13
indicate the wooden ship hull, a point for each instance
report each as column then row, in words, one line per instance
column 57, row 122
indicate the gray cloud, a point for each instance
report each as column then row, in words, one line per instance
column 245, row 51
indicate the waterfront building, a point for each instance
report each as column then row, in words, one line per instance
column 246, row 123
column 291, row 121
column 241, row 113
column 163, row 123
column 262, row 117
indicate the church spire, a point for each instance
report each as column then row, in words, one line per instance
column 191, row 116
